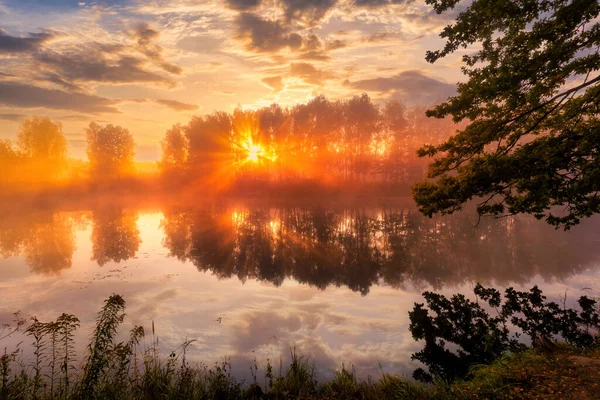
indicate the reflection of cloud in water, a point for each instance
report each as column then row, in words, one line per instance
column 336, row 284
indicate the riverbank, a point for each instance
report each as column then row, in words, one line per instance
column 565, row 374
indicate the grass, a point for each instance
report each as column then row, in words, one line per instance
column 122, row 370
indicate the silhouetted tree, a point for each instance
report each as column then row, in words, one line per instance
column 477, row 337
column 110, row 150
column 532, row 100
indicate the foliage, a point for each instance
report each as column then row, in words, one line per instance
column 174, row 152
column 110, row 150
column 39, row 152
column 324, row 140
column 532, row 99
column 482, row 338
column 42, row 140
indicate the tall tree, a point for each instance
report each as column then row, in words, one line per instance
column 175, row 151
column 43, row 143
column 532, row 100
column 110, row 150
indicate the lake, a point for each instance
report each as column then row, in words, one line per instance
column 251, row 281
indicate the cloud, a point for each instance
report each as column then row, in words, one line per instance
column 31, row 43
column 308, row 12
column 145, row 36
column 243, row 5
column 335, row 44
column 91, row 65
column 12, row 117
column 263, row 35
column 377, row 37
column 309, row 73
column 379, row 3
column 263, row 328
column 28, row 96
column 73, row 64
column 176, row 105
column 412, row 86
column 172, row 104
column 313, row 49
column 274, row 82
column 200, row 44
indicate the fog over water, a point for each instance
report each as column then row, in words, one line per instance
column 253, row 280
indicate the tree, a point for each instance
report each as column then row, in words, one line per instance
column 8, row 160
column 110, row 150
column 175, row 152
column 533, row 102
column 42, row 142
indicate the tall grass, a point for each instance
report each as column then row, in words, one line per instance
column 124, row 370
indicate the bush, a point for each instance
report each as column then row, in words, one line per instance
column 481, row 338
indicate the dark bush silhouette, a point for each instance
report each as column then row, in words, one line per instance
column 481, row 337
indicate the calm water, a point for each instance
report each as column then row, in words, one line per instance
column 248, row 281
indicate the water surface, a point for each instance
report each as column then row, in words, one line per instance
column 252, row 281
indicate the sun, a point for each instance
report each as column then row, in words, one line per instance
column 254, row 151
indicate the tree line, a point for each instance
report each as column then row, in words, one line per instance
column 40, row 153
column 354, row 140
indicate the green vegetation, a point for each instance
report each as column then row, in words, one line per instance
column 122, row 370
column 482, row 337
column 532, row 100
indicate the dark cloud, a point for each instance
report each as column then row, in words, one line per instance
column 413, row 87
column 58, row 80
column 176, row 105
column 313, row 49
column 31, row 43
column 75, row 118
column 92, row 65
column 243, row 5
column 172, row 104
column 265, row 35
column 335, row 44
column 27, row 96
column 112, row 63
column 145, row 36
column 274, row 82
column 308, row 12
column 12, row 117
column 309, row 73
column 378, row 3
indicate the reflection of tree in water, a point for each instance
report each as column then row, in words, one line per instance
column 360, row 248
column 178, row 230
column 115, row 235
column 47, row 241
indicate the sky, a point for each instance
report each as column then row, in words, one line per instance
column 148, row 64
